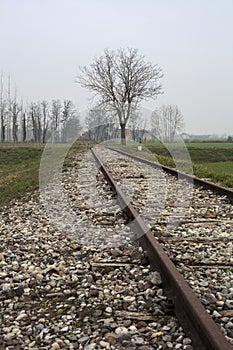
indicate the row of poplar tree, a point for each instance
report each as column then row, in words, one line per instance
column 57, row 121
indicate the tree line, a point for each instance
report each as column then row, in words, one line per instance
column 102, row 124
column 57, row 121
column 164, row 124
column 120, row 81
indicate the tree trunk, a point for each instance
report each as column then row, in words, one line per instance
column 24, row 128
column 44, row 134
column 3, row 133
column 15, row 132
column 123, row 138
column 2, row 126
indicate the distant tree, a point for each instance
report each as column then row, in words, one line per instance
column 72, row 129
column 70, row 122
column 99, row 124
column 32, row 114
column 37, row 121
column 2, row 112
column 122, row 79
column 230, row 139
column 8, row 115
column 137, row 125
column 15, row 109
column 56, row 119
column 68, row 110
column 166, row 122
column 35, row 116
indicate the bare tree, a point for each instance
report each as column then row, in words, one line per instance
column 15, row 110
column 70, row 122
column 122, row 79
column 99, row 123
column 35, row 116
column 2, row 111
column 32, row 114
column 137, row 125
column 72, row 128
column 166, row 122
column 68, row 110
column 8, row 112
column 56, row 119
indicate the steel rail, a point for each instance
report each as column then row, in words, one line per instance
column 196, row 322
column 191, row 178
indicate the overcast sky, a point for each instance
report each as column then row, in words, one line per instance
column 43, row 43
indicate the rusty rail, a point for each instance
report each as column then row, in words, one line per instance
column 191, row 178
column 193, row 317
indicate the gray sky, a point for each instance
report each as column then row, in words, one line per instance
column 43, row 42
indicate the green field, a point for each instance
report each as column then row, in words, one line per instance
column 223, row 170
column 19, row 168
column 221, row 167
column 204, row 144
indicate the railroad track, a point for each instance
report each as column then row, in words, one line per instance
column 59, row 290
column 193, row 317
column 69, row 287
